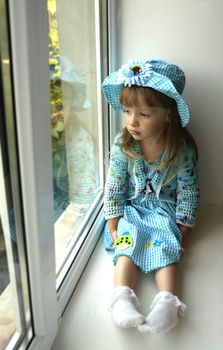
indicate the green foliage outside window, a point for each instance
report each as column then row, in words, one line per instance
column 56, row 98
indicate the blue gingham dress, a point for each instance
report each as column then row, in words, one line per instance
column 155, row 234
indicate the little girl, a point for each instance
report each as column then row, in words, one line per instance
column 152, row 191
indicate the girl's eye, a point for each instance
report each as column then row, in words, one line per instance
column 126, row 111
column 144, row 115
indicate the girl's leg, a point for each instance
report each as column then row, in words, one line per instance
column 126, row 273
column 124, row 301
column 167, row 279
column 166, row 307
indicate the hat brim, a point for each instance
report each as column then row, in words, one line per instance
column 111, row 89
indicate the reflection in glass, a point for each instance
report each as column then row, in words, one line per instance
column 74, row 118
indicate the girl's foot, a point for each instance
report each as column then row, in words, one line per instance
column 123, row 306
column 164, row 315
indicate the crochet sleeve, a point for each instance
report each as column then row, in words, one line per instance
column 114, row 197
column 188, row 193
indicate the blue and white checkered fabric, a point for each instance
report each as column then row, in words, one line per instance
column 69, row 73
column 165, row 77
column 154, row 232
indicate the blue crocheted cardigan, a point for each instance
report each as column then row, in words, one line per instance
column 128, row 181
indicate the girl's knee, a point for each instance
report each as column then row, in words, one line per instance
column 123, row 259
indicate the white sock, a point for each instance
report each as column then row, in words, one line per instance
column 123, row 306
column 164, row 315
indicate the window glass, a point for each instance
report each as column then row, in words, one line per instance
column 75, row 120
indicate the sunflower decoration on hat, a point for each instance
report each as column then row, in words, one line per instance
column 134, row 73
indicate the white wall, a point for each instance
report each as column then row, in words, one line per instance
column 188, row 33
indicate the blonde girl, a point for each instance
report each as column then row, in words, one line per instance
column 152, row 191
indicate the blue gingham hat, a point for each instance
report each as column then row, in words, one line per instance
column 160, row 75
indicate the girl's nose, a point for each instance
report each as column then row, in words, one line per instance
column 133, row 119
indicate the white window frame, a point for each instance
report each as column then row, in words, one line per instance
column 29, row 44
column 29, row 40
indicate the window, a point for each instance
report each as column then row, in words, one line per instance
column 52, row 165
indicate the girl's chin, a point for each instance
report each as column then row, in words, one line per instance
column 137, row 137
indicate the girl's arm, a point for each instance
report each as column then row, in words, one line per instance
column 187, row 191
column 115, row 187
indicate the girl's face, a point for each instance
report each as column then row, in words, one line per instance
column 146, row 123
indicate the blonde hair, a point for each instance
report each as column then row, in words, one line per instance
column 174, row 133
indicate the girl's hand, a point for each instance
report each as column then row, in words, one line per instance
column 185, row 230
column 114, row 235
column 184, row 246
column 112, row 226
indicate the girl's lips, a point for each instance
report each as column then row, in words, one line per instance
column 134, row 132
